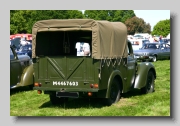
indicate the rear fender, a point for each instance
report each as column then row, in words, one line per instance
column 27, row 76
column 115, row 73
column 141, row 74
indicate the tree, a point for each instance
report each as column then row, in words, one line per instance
column 147, row 28
column 137, row 25
column 18, row 20
column 162, row 28
column 74, row 14
column 21, row 21
column 110, row 15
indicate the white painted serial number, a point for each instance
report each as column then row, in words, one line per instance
column 65, row 83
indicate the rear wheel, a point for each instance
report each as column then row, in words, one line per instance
column 115, row 93
column 149, row 88
column 31, row 87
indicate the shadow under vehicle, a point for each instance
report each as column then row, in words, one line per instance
column 21, row 70
column 63, row 70
column 153, row 52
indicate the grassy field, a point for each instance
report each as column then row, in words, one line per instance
column 25, row 102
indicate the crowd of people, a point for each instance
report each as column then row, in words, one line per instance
column 156, row 39
column 151, row 38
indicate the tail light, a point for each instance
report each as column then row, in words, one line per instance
column 94, row 85
column 39, row 91
column 90, row 94
column 37, row 84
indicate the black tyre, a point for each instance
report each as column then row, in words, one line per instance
column 115, row 93
column 149, row 88
column 56, row 100
column 31, row 87
column 154, row 59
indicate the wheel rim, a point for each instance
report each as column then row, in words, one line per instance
column 114, row 92
column 150, row 82
column 154, row 58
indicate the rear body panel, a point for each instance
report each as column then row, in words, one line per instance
column 66, row 72
column 75, row 74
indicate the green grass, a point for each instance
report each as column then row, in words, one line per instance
column 24, row 102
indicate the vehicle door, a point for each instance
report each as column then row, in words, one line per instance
column 164, row 51
column 167, row 50
column 131, row 65
column 158, row 51
column 15, row 68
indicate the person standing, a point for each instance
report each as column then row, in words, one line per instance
column 151, row 39
column 160, row 39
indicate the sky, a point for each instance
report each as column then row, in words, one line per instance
column 153, row 16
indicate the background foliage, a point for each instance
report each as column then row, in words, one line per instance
column 162, row 28
column 110, row 15
column 137, row 25
column 21, row 21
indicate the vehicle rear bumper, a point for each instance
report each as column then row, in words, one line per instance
column 142, row 57
column 66, row 89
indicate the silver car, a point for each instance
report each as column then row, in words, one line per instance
column 153, row 52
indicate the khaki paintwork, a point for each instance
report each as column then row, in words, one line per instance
column 54, row 67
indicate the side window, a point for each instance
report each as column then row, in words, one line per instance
column 11, row 54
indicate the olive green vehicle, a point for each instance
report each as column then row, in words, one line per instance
column 21, row 70
column 109, row 70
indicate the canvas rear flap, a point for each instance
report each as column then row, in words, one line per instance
column 109, row 39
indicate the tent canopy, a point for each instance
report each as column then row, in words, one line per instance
column 109, row 39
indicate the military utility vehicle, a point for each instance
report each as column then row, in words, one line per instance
column 75, row 58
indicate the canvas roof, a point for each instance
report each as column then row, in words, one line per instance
column 109, row 39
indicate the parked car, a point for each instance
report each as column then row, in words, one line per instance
column 16, row 43
column 153, row 52
column 138, row 37
column 21, row 70
column 165, row 40
column 108, row 72
column 142, row 35
column 25, row 50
